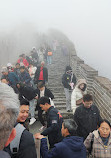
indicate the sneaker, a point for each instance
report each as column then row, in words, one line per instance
column 42, row 128
column 32, row 120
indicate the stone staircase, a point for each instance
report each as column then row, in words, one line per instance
column 55, row 71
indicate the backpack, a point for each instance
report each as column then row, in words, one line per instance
column 14, row 145
column 91, row 147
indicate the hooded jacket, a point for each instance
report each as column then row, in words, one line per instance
column 70, row 147
column 77, row 94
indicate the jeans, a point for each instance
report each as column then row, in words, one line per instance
column 32, row 107
column 68, row 98
column 49, row 59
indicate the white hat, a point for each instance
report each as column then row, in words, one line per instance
column 9, row 65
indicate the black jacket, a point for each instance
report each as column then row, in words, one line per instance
column 47, row 93
column 66, row 79
column 27, row 146
column 37, row 73
column 26, row 92
column 54, row 125
column 86, row 119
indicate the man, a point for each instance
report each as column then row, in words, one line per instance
column 68, row 81
column 24, row 76
column 41, row 74
column 9, row 108
column 54, row 122
column 42, row 91
column 87, row 117
column 11, row 77
column 71, row 146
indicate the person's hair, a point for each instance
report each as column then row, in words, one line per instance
column 41, row 84
column 9, row 109
column 17, row 64
column 71, row 125
column 104, row 120
column 87, row 97
column 84, row 87
column 44, row 100
column 24, row 102
column 68, row 68
column 22, row 67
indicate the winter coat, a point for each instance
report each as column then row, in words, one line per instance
column 32, row 71
column 86, row 119
column 25, row 62
column 13, row 78
column 77, row 94
column 98, row 148
column 54, row 125
column 25, row 77
column 66, row 79
column 70, row 147
column 26, row 92
column 37, row 73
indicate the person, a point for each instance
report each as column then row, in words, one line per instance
column 70, row 147
column 17, row 69
column 11, row 77
column 23, row 114
column 54, row 122
column 9, row 108
column 26, row 92
column 87, row 116
column 101, row 140
column 41, row 74
column 42, row 91
column 22, row 61
column 24, row 76
column 49, row 56
column 68, row 81
column 32, row 69
column 77, row 94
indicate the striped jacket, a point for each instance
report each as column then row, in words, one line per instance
column 98, row 148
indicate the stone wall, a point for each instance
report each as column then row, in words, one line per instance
column 99, row 87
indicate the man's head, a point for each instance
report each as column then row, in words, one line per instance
column 4, row 71
column 42, row 63
column 87, row 100
column 9, row 108
column 69, row 127
column 24, row 111
column 22, row 69
column 17, row 65
column 4, row 81
column 41, row 85
column 44, row 103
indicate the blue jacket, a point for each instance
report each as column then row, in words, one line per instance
column 25, row 77
column 70, row 147
column 13, row 78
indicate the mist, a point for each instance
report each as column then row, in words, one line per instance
column 87, row 23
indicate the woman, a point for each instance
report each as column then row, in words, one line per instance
column 98, row 143
column 77, row 94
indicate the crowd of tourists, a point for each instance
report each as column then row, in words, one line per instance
column 24, row 90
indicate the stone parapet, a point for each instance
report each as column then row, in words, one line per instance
column 102, row 96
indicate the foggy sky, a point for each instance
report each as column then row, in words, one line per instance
column 86, row 22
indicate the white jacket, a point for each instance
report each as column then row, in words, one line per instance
column 77, row 94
